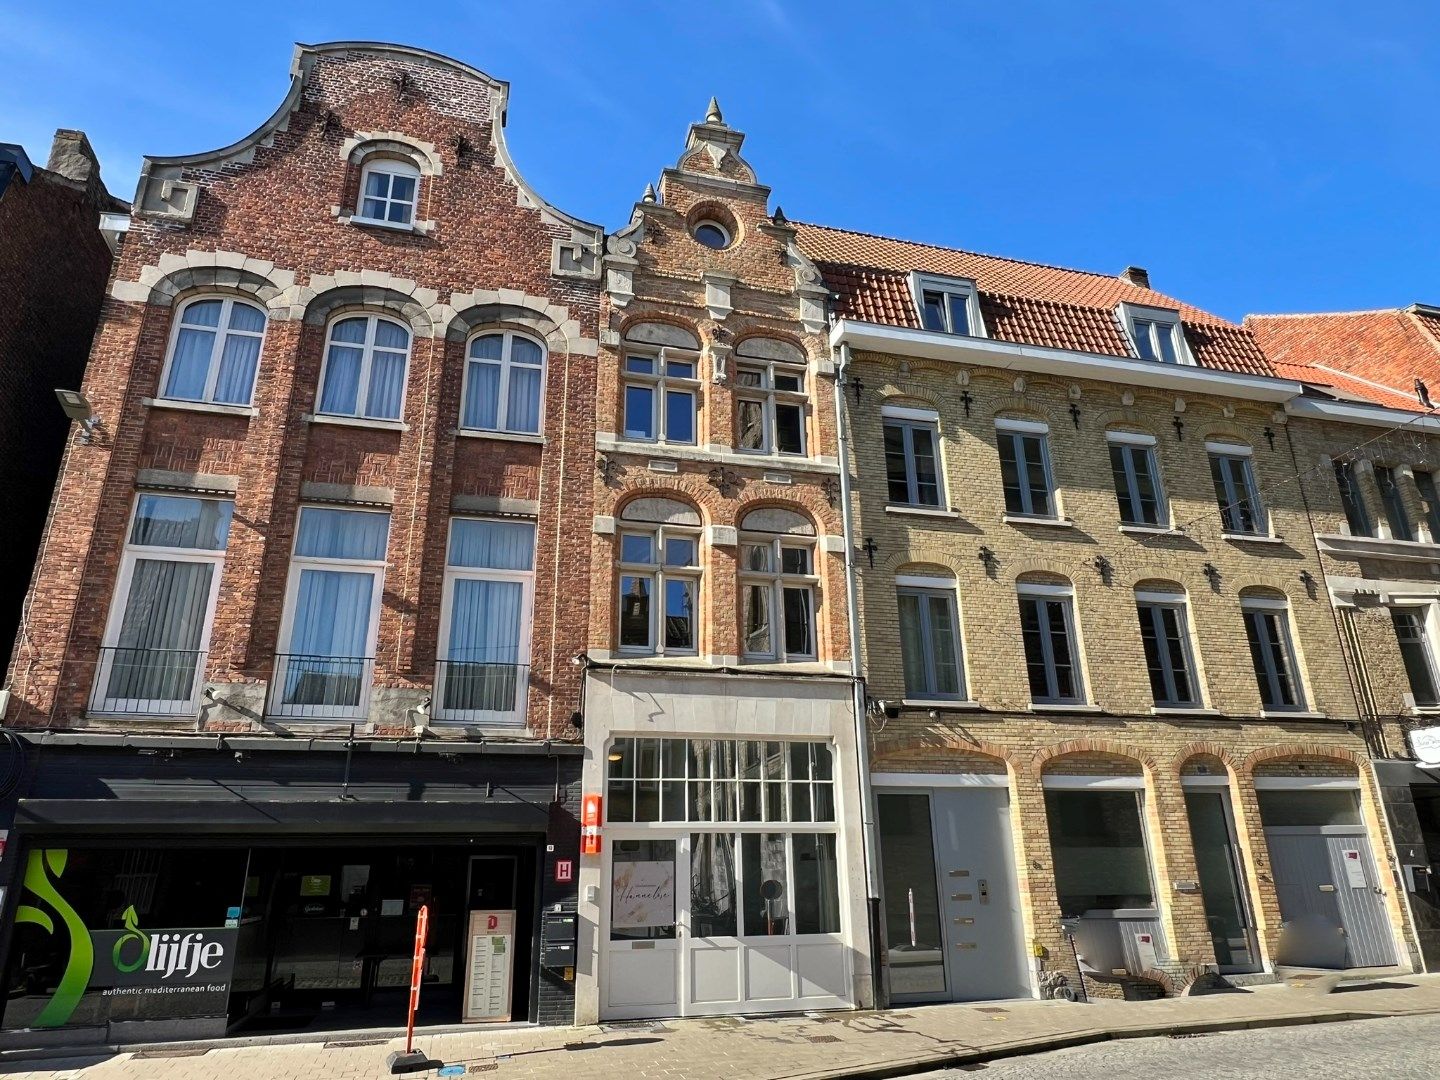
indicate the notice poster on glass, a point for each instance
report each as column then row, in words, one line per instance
column 491, row 962
column 642, row 895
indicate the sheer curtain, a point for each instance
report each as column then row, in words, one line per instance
column 387, row 371
column 482, row 387
column 190, row 363
column 341, row 534
column 157, row 650
column 482, row 672
column 240, row 356
column 493, row 545
column 332, row 620
column 523, row 408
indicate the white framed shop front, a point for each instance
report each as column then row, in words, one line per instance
column 729, row 877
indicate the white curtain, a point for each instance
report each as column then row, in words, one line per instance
column 190, row 364
column 482, row 396
column 387, row 384
column 157, row 651
column 172, row 521
column 484, row 666
column 330, row 638
column 342, row 380
column 492, row 545
column 239, row 357
column 341, row 534
column 526, row 366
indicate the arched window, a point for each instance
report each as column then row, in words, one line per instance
column 365, row 361
column 504, row 383
column 930, row 635
column 389, row 191
column 770, row 399
column 778, row 583
column 659, row 578
column 214, row 351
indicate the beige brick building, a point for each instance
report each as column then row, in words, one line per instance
column 719, row 703
column 1368, row 448
column 1105, row 681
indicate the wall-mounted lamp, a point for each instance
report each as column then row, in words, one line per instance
column 76, row 406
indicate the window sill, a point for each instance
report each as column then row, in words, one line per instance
column 200, row 406
column 921, row 511
column 499, row 436
column 1291, row 714
column 941, row 704
column 357, row 421
column 1253, row 538
column 377, row 223
column 1181, row 710
column 1150, row 530
column 1061, row 708
column 1026, row 519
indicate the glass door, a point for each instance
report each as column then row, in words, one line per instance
column 642, row 976
column 1217, row 859
column 914, row 931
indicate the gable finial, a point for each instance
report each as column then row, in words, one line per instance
column 712, row 113
column 649, row 195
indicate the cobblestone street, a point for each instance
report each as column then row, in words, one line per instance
column 1395, row 1048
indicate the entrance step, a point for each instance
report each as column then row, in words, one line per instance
column 1253, row 978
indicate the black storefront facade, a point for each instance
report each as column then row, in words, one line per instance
column 176, row 887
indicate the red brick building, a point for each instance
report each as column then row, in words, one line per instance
column 318, row 559
column 54, row 262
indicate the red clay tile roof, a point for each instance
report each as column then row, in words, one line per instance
column 1371, row 355
column 1025, row 303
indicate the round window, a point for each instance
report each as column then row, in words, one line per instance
column 712, row 234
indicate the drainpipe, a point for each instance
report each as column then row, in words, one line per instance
column 862, row 734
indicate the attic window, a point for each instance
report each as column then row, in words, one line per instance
column 948, row 305
column 1156, row 334
column 712, row 234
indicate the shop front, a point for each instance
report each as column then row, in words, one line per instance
column 1410, row 791
column 728, row 880
column 137, row 918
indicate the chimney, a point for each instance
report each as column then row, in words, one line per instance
column 72, row 157
column 1136, row 275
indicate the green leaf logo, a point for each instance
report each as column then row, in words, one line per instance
column 136, row 937
column 81, row 962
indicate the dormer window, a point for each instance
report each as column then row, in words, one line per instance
column 388, row 190
column 1156, row 334
column 948, row 305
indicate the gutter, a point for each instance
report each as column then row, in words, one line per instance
column 1065, row 363
column 862, row 733
column 1362, row 413
column 262, row 743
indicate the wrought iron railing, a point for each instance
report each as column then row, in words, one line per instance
column 147, row 682
column 321, row 687
column 481, row 692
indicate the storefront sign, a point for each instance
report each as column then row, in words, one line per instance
column 642, row 895
column 491, row 964
column 1426, row 744
column 138, row 973
column 590, row 825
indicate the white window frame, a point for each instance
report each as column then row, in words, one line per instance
column 661, row 385
column 390, row 167
column 963, row 288
column 131, row 554
column 1215, row 450
column 724, row 232
column 367, row 358
column 1009, row 429
column 907, row 420
column 1037, row 591
column 526, row 579
column 934, row 588
column 1429, row 619
column 1158, row 322
column 658, row 573
column 768, row 396
column 1281, row 609
column 1130, row 442
column 1180, row 604
column 506, row 364
column 299, row 563
column 778, row 582
column 217, row 348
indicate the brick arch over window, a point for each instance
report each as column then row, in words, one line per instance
column 937, row 744
column 807, row 504
column 1275, row 759
column 181, row 284
column 1202, row 750
column 1041, row 762
column 660, row 510
column 769, row 346
column 368, row 146
column 1041, row 574
column 908, row 392
column 651, row 329
column 783, row 520
column 908, row 559
column 375, row 298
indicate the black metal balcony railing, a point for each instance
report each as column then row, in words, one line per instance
column 479, row 691
column 144, row 681
column 321, row 687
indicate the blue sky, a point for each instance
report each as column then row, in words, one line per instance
column 1255, row 156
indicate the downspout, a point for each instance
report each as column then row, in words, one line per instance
column 857, row 683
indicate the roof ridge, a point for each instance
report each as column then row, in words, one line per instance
column 1324, row 314
column 966, row 251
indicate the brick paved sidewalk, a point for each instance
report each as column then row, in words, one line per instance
column 829, row 1045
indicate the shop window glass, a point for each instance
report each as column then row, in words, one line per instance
column 767, row 884
column 1097, row 840
column 642, row 890
column 817, row 883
